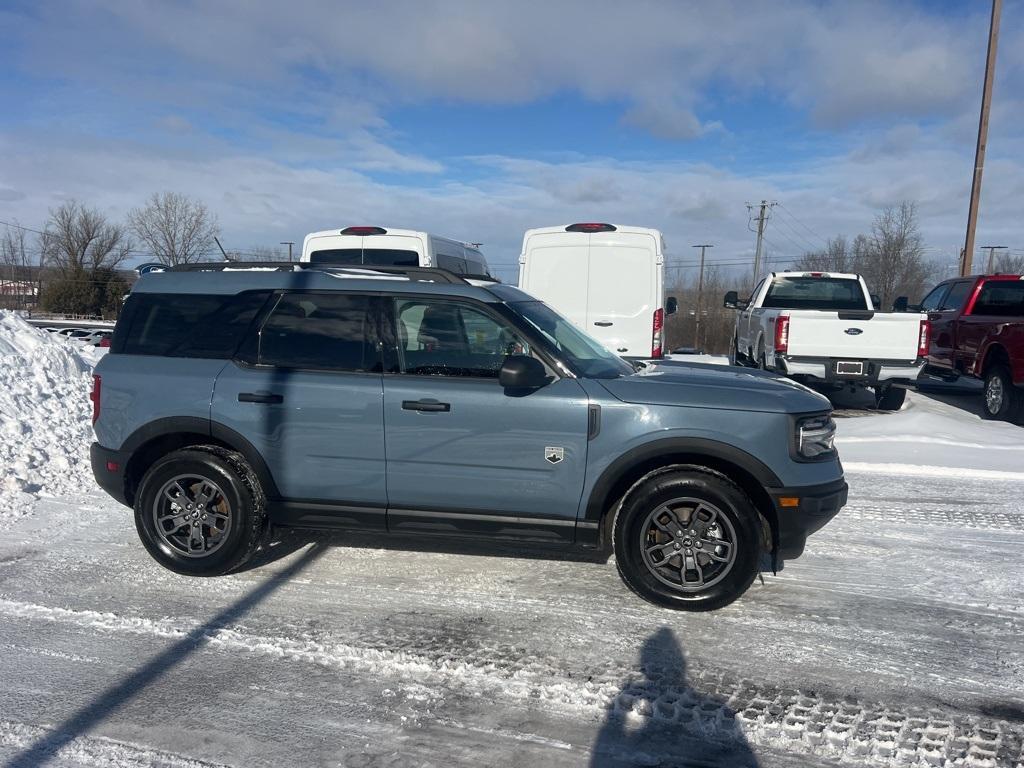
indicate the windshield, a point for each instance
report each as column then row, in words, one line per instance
column 379, row 257
column 830, row 293
column 584, row 354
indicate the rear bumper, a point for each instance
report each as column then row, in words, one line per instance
column 816, row 506
column 875, row 371
column 108, row 469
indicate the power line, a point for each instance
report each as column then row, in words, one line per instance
column 824, row 240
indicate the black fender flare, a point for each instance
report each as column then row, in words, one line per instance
column 689, row 449
column 180, row 425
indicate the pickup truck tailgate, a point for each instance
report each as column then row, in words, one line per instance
column 853, row 335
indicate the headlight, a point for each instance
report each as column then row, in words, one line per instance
column 815, row 437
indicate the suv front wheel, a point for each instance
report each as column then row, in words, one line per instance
column 687, row 538
column 200, row 511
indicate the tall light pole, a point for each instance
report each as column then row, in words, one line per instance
column 700, row 291
column 289, row 243
column 979, row 152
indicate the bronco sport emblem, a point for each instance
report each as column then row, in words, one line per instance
column 554, row 455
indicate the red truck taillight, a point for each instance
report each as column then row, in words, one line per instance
column 658, row 326
column 781, row 334
column 922, row 339
column 95, row 397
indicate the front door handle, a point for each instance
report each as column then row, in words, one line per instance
column 603, row 323
column 429, row 406
column 260, row 397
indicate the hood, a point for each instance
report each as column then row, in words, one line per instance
column 697, row 385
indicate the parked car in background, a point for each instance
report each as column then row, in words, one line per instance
column 977, row 329
column 412, row 401
column 376, row 246
column 823, row 329
column 608, row 279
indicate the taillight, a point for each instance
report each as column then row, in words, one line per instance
column 658, row 326
column 590, row 226
column 95, row 397
column 364, row 231
column 782, row 334
column 922, row 339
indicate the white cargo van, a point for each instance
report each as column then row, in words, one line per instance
column 609, row 280
column 376, row 246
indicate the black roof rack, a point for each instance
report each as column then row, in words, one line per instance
column 419, row 274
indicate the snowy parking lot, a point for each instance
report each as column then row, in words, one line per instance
column 897, row 639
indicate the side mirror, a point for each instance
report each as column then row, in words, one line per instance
column 731, row 300
column 671, row 305
column 522, row 372
column 876, row 300
column 900, row 305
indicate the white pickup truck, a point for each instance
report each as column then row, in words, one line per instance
column 822, row 328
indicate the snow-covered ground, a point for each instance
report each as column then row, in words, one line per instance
column 898, row 638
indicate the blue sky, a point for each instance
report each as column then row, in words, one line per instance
column 480, row 120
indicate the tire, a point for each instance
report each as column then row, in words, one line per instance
column 1000, row 398
column 734, row 353
column 889, row 398
column 208, row 540
column 667, row 500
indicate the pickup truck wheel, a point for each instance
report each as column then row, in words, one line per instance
column 1002, row 399
column 200, row 511
column 889, row 398
column 687, row 538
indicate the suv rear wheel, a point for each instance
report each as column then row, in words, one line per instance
column 200, row 511
column 687, row 538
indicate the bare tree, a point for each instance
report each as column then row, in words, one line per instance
column 177, row 229
column 16, row 275
column 837, row 256
column 1010, row 263
column 78, row 239
column 893, row 263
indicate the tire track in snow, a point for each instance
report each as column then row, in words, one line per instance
column 712, row 706
column 96, row 751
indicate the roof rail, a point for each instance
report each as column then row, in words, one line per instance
column 416, row 274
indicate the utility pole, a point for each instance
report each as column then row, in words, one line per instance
column 992, row 256
column 762, row 219
column 979, row 152
column 225, row 253
column 289, row 243
column 700, row 292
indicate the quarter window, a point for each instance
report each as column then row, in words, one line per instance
column 335, row 332
column 446, row 338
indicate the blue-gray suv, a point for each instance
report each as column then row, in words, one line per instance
column 415, row 401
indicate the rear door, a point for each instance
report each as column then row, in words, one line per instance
column 622, row 291
column 306, row 392
column 556, row 270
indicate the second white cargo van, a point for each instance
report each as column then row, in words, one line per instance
column 609, row 280
column 376, row 246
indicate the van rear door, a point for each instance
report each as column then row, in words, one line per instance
column 623, row 291
column 556, row 271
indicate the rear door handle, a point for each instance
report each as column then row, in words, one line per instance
column 603, row 323
column 260, row 397
column 429, row 406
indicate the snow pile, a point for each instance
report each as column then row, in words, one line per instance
column 44, row 416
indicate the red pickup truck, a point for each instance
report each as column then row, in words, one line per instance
column 977, row 329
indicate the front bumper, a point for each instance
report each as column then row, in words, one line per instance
column 815, row 505
column 875, row 371
column 108, row 468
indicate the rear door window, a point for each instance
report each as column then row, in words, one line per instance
column 1000, row 298
column 322, row 331
column 957, row 296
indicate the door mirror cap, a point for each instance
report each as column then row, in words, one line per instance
column 733, row 301
column 522, row 372
column 671, row 305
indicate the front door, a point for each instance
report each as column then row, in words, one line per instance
column 310, row 401
column 463, row 455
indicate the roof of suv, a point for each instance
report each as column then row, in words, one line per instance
column 228, row 280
